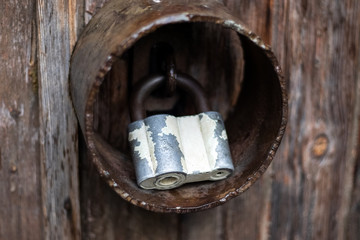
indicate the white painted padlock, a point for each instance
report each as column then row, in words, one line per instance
column 170, row 151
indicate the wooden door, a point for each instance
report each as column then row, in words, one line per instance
column 50, row 190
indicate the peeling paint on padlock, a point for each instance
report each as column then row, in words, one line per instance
column 170, row 151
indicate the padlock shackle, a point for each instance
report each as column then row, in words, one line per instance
column 147, row 85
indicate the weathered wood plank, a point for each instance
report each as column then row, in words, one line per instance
column 306, row 193
column 57, row 32
column 20, row 201
column 319, row 49
column 245, row 217
column 311, row 191
column 208, row 224
column 352, row 228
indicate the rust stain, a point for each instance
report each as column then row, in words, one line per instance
column 268, row 21
column 32, row 71
column 33, row 76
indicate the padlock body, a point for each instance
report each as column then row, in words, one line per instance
column 170, row 151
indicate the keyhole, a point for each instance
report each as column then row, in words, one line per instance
column 168, row 181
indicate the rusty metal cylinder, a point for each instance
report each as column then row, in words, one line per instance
column 255, row 123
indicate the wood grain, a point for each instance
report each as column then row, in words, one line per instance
column 302, row 196
column 58, row 124
column 311, row 191
column 352, row 227
column 20, row 182
column 319, row 51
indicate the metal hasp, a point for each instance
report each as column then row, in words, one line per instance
column 170, row 151
column 255, row 119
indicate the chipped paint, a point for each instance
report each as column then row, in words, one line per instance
column 151, row 149
column 231, row 24
column 242, row 30
column 141, row 147
column 179, row 150
column 208, row 127
column 224, row 135
column 173, row 128
column 106, row 173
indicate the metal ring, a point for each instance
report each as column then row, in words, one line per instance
column 147, row 85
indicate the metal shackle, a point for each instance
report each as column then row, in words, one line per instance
column 146, row 86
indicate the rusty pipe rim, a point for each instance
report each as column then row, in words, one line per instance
column 214, row 13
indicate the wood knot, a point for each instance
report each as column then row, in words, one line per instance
column 320, row 146
column 13, row 169
column 14, row 113
column 68, row 207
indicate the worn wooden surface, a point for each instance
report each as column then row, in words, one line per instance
column 57, row 32
column 311, row 191
column 38, row 129
column 20, row 182
column 303, row 195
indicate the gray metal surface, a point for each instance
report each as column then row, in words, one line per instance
column 170, row 151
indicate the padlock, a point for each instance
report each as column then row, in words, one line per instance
column 170, row 151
